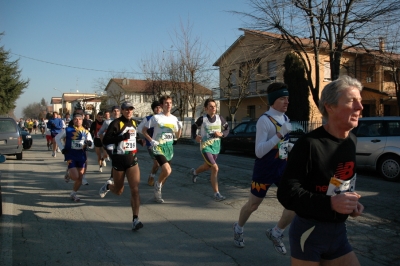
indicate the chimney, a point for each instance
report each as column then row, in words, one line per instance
column 381, row 44
column 125, row 81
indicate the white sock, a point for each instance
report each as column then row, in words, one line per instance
column 238, row 229
column 277, row 232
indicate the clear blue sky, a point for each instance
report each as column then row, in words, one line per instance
column 104, row 35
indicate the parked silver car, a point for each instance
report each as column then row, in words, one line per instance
column 10, row 138
column 378, row 145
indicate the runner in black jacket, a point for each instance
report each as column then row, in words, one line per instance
column 319, row 180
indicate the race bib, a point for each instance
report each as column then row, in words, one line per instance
column 77, row 144
column 337, row 186
column 130, row 145
column 283, row 149
column 167, row 137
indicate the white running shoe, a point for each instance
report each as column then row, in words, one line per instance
column 108, row 159
column 103, row 190
column 58, row 150
column 219, row 197
column 192, row 175
column 101, row 169
column 53, row 154
column 157, row 193
column 277, row 242
column 84, row 181
column 237, row 237
column 136, row 224
column 74, row 197
column 104, row 162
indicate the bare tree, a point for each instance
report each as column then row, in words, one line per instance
column 192, row 66
column 33, row 110
column 241, row 72
column 388, row 58
column 331, row 26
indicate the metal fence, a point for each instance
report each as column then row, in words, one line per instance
column 309, row 125
column 306, row 125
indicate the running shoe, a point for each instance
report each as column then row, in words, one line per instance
column 150, row 181
column 108, row 159
column 103, row 162
column 53, row 154
column 74, row 197
column 58, row 150
column 157, row 193
column 277, row 242
column 219, row 197
column 48, row 147
column 66, row 177
column 192, row 175
column 101, row 169
column 136, row 224
column 237, row 238
column 103, row 190
column 84, row 181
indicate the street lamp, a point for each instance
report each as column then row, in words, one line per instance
column 62, row 102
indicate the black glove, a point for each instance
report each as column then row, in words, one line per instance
column 126, row 135
column 88, row 143
column 64, row 151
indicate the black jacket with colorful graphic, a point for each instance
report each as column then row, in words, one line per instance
column 313, row 161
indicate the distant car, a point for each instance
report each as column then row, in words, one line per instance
column 378, row 145
column 10, row 138
column 243, row 137
column 27, row 139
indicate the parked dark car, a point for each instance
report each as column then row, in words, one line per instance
column 27, row 139
column 243, row 137
column 10, row 138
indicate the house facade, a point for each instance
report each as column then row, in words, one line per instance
column 141, row 93
column 67, row 102
column 256, row 59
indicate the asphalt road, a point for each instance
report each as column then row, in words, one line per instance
column 40, row 225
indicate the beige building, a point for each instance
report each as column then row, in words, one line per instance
column 255, row 60
column 141, row 93
column 66, row 104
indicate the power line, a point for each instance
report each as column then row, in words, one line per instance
column 97, row 70
column 83, row 68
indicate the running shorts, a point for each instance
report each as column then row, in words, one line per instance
column 209, row 158
column 76, row 164
column 312, row 240
column 48, row 137
column 161, row 159
column 260, row 189
column 97, row 143
column 121, row 162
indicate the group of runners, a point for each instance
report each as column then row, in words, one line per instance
column 323, row 158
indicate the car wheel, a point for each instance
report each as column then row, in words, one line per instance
column 389, row 167
column 19, row 156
